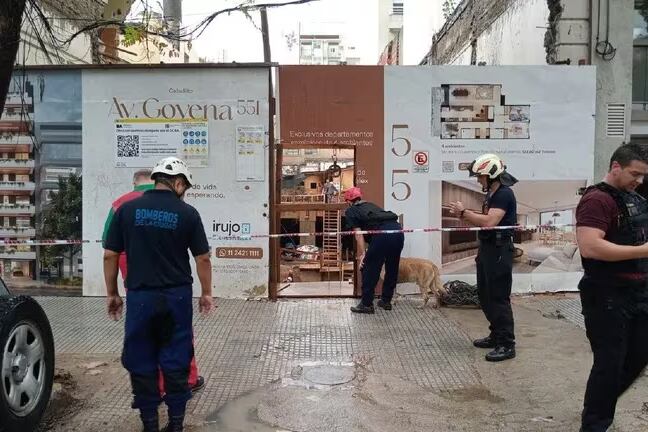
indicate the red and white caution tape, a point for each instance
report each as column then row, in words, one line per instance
column 38, row 242
column 409, row 231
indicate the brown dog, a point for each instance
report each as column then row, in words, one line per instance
column 423, row 273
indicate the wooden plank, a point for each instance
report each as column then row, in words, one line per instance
column 283, row 207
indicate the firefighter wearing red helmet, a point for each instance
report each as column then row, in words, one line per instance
column 374, row 250
column 495, row 255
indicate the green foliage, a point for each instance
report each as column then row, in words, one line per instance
column 61, row 219
column 132, row 35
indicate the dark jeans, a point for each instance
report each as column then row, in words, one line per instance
column 494, row 280
column 618, row 335
column 384, row 249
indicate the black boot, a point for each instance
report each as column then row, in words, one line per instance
column 486, row 342
column 176, row 424
column 385, row 305
column 501, row 353
column 150, row 422
column 200, row 383
column 361, row 308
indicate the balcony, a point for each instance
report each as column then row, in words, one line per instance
column 16, row 231
column 16, row 166
column 18, row 255
column 16, row 187
column 17, row 209
column 18, row 100
column 17, row 115
column 396, row 21
column 302, row 199
column 13, row 142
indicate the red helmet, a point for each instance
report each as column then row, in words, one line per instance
column 352, row 194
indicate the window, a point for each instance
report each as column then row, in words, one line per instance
column 640, row 57
column 306, row 49
column 333, row 50
column 558, row 217
column 313, row 185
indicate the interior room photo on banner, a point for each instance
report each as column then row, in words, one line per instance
column 551, row 248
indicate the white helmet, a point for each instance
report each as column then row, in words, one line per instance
column 172, row 166
column 489, row 165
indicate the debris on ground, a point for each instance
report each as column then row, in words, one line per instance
column 62, row 402
column 554, row 315
column 460, row 293
column 548, row 419
column 94, row 365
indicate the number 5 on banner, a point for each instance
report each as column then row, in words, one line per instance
column 408, row 189
column 408, row 144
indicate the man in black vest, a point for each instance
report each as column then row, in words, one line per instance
column 384, row 249
column 495, row 255
column 612, row 231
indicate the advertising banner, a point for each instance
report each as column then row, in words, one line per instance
column 215, row 119
column 436, row 120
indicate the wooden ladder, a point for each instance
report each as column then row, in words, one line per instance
column 331, row 256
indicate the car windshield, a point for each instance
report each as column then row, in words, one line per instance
column 3, row 288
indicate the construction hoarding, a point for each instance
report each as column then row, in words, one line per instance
column 435, row 121
column 217, row 119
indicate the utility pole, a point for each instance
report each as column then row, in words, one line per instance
column 273, row 160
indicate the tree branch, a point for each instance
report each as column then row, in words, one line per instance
column 185, row 33
column 11, row 13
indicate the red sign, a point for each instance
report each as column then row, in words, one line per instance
column 421, row 158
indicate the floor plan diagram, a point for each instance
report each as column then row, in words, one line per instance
column 480, row 112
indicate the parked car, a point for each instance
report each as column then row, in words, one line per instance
column 27, row 356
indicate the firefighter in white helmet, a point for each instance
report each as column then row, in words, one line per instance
column 495, row 256
column 156, row 231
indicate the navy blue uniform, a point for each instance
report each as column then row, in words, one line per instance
column 156, row 231
column 384, row 249
column 495, row 268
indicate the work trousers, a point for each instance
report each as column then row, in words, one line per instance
column 384, row 249
column 494, row 281
column 158, row 336
column 617, row 329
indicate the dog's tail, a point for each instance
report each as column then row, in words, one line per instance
column 438, row 285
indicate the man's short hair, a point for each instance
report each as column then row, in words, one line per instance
column 627, row 153
column 143, row 173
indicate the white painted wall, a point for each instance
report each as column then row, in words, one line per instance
column 614, row 78
column 516, row 37
column 384, row 9
column 31, row 52
column 421, row 20
column 463, row 59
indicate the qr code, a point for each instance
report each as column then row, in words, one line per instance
column 128, row 146
column 448, row 166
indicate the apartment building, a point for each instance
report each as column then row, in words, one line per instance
column 17, row 185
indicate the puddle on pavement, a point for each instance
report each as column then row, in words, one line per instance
column 241, row 414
